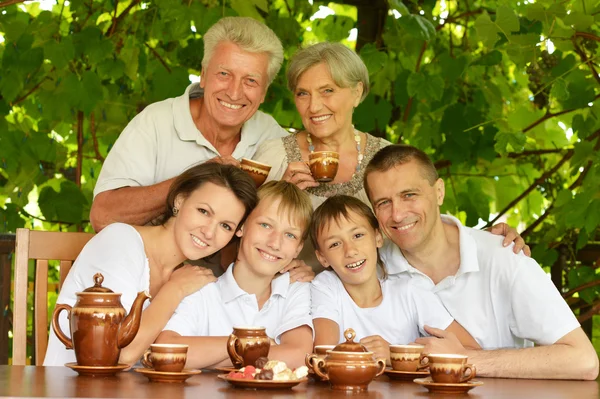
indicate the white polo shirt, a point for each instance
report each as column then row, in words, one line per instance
column 218, row 307
column 162, row 141
column 500, row 298
column 399, row 318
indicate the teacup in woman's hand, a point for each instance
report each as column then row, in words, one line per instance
column 257, row 171
column 323, row 165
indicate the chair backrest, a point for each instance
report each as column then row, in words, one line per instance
column 41, row 246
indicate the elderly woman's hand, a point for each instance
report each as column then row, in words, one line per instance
column 299, row 174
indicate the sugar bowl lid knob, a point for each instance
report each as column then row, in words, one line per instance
column 350, row 345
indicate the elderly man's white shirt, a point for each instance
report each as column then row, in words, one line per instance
column 218, row 307
column 502, row 299
column 162, row 141
column 399, row 318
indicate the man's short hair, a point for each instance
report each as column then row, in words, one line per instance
column 250, row 35
column 295, row 203
column 347, row 69
column 398, row 154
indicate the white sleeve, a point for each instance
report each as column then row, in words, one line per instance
column 132, row 159
column 297, row 309
column 325, row 297
column 540, row 313
column 188, row 318
column 429, row 309
column 273, row 153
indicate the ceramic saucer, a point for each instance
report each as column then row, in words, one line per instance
column 447, row 388
column 225, row 369
column 166, row 376
column 405, row 375
column 261, row 384
column 92, row 371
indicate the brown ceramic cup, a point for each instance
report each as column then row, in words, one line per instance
column 319, row 353
column 407, row 357
column 450, row 368
column 257, row 171
column 166, row 357
column 323, row 165
column 246, row 344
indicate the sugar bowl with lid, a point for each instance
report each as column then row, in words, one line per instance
column 349, row 366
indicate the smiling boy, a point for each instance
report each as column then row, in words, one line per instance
column 247, row 294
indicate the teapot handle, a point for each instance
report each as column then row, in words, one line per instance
column 381, row 363
column 68, row 342
column 146, row 360
column 236, row 359
column 319, row 368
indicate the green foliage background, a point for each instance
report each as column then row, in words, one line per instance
column 450, row 77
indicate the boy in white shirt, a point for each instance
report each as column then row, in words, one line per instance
column 346, row 236
column 247, row 294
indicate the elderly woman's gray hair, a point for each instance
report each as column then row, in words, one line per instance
column 345, row 66
column 250, row 35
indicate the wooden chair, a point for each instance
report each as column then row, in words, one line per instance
column 41, row 246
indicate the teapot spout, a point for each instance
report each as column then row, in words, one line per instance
column 130, row 325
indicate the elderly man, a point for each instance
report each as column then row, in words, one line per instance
column 504, row 300
column 216, row 119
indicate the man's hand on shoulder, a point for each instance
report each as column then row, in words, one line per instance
column 510, row 235
column 299, row 271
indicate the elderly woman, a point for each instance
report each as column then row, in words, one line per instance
column 329, row 81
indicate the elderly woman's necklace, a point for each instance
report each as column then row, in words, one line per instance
column 311, row 149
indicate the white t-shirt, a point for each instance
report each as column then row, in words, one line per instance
column 218, row 307
column 399, row 318
column 502, row 299
column 118, row 253
column 162, row 141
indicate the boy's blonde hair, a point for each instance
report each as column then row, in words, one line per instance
column 295, row 203
column 333, row 210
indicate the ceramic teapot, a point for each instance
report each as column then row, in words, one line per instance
column 99, row 328
column 349, row 366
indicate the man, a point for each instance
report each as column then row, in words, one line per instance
column 503, row 299
column 216, row 119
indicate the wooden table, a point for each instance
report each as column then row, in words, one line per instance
column 61, row 382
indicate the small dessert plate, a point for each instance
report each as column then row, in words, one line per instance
column 166, row 376
column 405, row 375
column 448, row 388
column 261, row 384
column 94, row 371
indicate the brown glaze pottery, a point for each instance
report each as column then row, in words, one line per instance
column 261, row 384
column 95, row 371
column 407, row 357
column 257, row 171
column 450, row 368
column 349, row 366
column 165, row 376
column 405, row 375
column 166, row 357
column 323, row 165
column 99, row 328
column 320, row 352
column 444, row 388
column 246, row 344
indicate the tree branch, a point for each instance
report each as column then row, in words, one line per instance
column 586, row 60
column 114, row 18
column 587, row 35
column 582, row 287
column 158, row 57
column 417, row 67
column 10, row 3
column 79, row 148
column 121, row 16
column 33, row 89
column 590, row 313
column 94, row 138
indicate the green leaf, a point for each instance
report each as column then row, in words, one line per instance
column 371, row 114
column 10, row 219
column 11, row 85
column 60, row 53
column 333, row 28
column 373, row 58
column 486, row 30
column 399, row 6
column 560, row 90
column 509, row 142
column 245, row 8
column 65, row 205
column 507, row 20
column 92, row 92
column 262, row 4
column 417, row 26
column 489, row 59
column 579, row 20
column 425, row 87
column 130, row 56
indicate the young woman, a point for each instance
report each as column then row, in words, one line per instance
column 205, row 207
column 346, row 236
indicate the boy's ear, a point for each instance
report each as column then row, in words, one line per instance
column 321, row 259
column 240, row 231
column 378, row 238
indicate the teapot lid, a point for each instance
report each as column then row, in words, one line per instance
column 98, row 288
column 350, row 345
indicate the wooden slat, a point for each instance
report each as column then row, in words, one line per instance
column 20, row 295
column 65, row 266
column 41, row 311
column 56, row 245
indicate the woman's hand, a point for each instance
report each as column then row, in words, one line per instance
column 379, row 346
column 299, row 271
column 299, row 174
column 510, row 235
column 189, row 279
